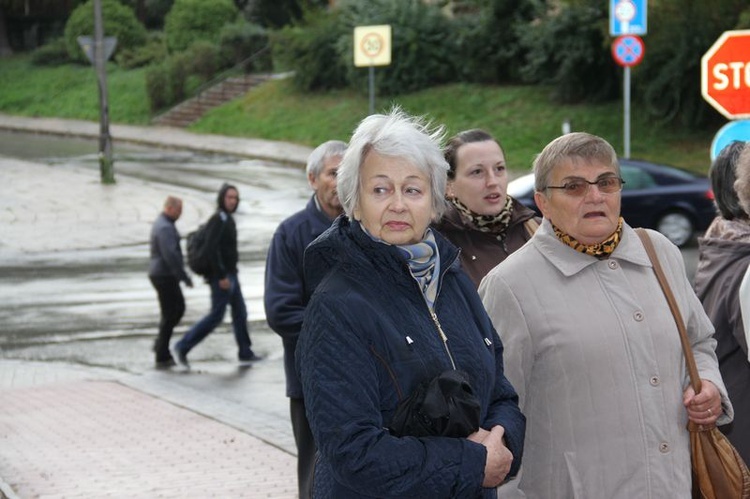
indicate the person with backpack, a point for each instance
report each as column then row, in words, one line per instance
column 165, row 271
column 220, row 252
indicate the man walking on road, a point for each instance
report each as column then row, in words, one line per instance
column 166, row 270
column 222, row 277
column 284, row 296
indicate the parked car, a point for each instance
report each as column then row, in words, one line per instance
column 677, row 203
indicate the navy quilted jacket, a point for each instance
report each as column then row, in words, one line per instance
column 284, row 297
column 367, row 340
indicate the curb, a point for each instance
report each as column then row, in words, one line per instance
column 285, row 153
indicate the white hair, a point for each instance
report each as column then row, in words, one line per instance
column 397, row 135
column 320, row 154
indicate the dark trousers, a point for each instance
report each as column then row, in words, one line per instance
column 172, row 305
column 305, row 447
column 220, row 300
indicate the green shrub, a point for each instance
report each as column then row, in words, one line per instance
column 166, row 82
column 52, row 54
column 744, row 20
column 154, row 50
column 193, row 20
column 202, row 60
column 240, row 40
column 310, row 51
column 156, row 12
column 568, row 49
column 158, row 87
column 179, row 70
column 119, row 21
column 487, row 41
column 177, row 77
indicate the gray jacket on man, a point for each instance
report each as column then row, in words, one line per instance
column 166, row 255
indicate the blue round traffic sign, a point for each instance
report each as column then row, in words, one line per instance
column 734, row 130
column 628, row 50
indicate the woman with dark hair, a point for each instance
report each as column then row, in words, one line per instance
column 482, row 219
column 724, row 258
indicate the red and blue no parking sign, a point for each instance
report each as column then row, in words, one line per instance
column 628, row 50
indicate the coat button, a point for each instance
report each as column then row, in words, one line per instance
column 654, row 380
column 638, row 316
column 612, row 264
column 664, row 447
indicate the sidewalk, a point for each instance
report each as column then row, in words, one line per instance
column 69, row 430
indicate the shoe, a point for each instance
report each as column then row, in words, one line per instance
column 252, row 358
column 165, row 364
column 181, row 357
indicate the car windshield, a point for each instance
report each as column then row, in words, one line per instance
column 635, row 178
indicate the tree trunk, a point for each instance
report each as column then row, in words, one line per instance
column 5, row 49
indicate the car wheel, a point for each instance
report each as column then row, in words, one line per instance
column 677, row 227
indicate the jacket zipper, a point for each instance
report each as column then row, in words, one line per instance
column 434, row 315
column 443, row 337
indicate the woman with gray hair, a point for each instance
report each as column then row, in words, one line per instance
column 724, row 260
column 391, row 311
column 593, row 348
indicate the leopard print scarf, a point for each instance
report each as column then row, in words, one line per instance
column 497, row 224
column 600, row 250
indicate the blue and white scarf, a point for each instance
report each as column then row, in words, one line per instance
column 424, row 264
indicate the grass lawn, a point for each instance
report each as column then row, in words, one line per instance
column 521, row 117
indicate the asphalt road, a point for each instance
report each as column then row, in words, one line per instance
column 96, row 306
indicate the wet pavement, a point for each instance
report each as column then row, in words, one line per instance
column 82, row 411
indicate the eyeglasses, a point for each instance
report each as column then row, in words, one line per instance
column 580, row 186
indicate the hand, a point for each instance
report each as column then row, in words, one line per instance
column 224, row 283
column 704, row 408
column 499, row 458
column 479, row 435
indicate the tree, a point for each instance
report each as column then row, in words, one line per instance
column 5, row 49
column 569, row 49
column 193, row 20
column 668, row 81
column 487, row 36
column 278, row 13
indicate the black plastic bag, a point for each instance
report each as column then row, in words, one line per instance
column 445, row 406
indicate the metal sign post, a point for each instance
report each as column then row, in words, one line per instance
column 106, row 164
column 627, row 51
column 372, row 47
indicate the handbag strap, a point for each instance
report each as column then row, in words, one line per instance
column 695, row 380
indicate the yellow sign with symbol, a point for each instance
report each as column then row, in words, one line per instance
column 372, row 45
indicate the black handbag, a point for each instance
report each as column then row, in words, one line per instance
column 445, row 406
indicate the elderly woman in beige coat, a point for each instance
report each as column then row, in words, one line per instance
column 590, row 343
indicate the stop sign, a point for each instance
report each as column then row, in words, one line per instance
column 725, row 74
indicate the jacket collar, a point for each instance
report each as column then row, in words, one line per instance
column 570, row 262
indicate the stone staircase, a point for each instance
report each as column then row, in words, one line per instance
column 187, row 112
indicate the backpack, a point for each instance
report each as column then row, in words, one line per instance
column 198, row 250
